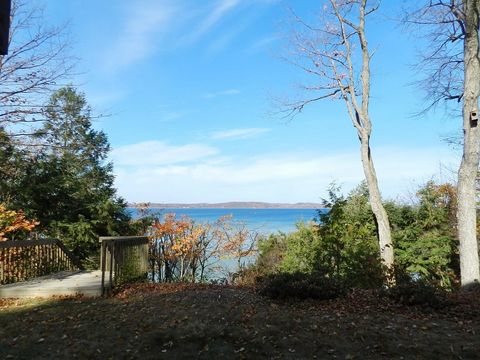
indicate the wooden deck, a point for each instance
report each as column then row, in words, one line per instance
column 86, row 283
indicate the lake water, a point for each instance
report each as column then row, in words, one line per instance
column 263, row 220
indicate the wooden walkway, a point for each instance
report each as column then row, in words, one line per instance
column 86, row 283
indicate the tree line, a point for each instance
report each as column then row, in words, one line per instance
column 342, row 244
column 54, row 172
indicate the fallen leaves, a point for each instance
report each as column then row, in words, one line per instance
column 188, row 321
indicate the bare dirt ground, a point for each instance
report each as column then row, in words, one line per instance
column 174, row 321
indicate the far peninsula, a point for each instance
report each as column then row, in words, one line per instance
column 233, row 205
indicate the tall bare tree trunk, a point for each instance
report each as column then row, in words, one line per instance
column 466, row 213
column 381, row 217
column 337, row 54
column 362, row 116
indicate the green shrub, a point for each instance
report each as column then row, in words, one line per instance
column 271, row 251
column 348, row 238
column 301, row 286
column 424, row 235
column 344, row 242
column 301, row 251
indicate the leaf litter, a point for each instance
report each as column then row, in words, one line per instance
column 184, row 321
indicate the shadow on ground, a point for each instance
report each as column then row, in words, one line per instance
column 205, row 322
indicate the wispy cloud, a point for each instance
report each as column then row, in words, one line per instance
column 146, row 24
column 215, row 15
column 221, row 10
column 264, row 43
column 275, row 177
column 227, row 92
column 222, row 7
column 151, row 23
column 238, row 133
column 235, row 28
column 222, row 41
column 154, row 153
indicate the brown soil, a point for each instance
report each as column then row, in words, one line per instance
column 213, row 322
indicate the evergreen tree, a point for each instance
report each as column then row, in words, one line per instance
column 68, row 186
column 426, row 246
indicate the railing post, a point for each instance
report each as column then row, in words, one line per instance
column 111, row 249
column 103, row 260
column 126, row 259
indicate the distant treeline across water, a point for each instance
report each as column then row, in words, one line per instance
column 262, row 220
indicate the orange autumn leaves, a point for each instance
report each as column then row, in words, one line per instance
column 184, row 249
column 177, row 236
column 14, row 222
column 183, row 236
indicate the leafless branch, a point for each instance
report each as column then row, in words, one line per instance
column 441, row 60
column 38, row 63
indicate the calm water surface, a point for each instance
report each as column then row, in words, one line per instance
column 262, row 220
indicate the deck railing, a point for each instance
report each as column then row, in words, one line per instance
column 26, row 259
column 123, row 259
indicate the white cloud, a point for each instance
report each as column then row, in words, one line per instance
column 155, row 153
column 238, row 133
column 222, row 41
column 147, row 22
column 275, row 177
column 227, row 92
column 215, row 15
column 236, row 27
column 264, row 42
column 222, row 8
column 171, row 23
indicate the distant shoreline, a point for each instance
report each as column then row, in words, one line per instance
column 231, row 205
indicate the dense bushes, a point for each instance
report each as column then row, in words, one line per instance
column 424, row 235
column 343, row 244
column 349, row 244
column 301, row 250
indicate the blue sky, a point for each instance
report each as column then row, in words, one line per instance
column 189, row 85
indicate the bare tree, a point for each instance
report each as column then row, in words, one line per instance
column 441, row 62
column 337, row 58
column 452, row 68
column 466, row 213
column 37, row 63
